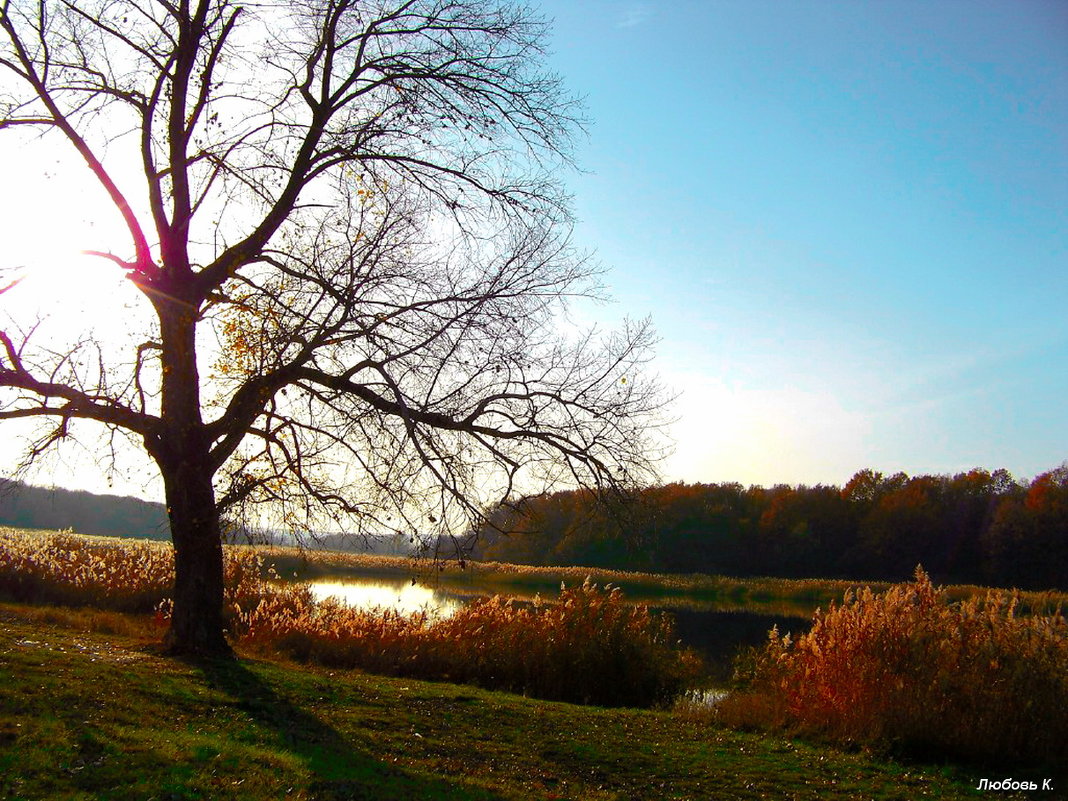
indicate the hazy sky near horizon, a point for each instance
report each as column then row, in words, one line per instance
column 848, row 221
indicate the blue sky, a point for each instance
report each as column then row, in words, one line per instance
column 848, row 221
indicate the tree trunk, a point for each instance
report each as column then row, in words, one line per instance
column 197, row 616
column 182, row 453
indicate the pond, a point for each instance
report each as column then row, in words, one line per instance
column 403, row 596
column 717, row 633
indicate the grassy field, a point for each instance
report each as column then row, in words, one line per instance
column 89, row 715
column 586, row 645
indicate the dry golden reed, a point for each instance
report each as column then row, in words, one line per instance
column 910, row 670
column 590, row 646
column 122, row 575
column 75, row 570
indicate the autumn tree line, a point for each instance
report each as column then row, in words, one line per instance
column 972, row 527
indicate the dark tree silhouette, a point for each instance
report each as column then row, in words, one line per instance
column 976, row 526
column 353, row 255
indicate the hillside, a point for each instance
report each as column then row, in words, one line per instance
column 26, row 506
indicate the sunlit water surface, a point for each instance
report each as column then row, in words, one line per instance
column 403, row 597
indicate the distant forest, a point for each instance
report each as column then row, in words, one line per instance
column 975, row 527
column 26, row 506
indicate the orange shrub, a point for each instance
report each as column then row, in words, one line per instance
column 590, row 646
column 910, row 670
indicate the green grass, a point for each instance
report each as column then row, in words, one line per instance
column 86, row 715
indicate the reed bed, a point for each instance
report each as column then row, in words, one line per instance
column 910, row 670
column 120, row 575
column 588, row 646
column 76, row 570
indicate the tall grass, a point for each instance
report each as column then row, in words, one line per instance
column 122, row 575
column 909, row 670
column 63, row 568
column 590, row 646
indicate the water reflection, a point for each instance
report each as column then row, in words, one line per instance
column 720, row 636
column 717, row 634
column 403, row 597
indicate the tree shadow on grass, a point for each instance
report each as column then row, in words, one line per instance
column 340, row 770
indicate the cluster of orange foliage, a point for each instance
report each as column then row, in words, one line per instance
column 589, row 646
column 908, row 669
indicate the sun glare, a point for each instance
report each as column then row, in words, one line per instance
column 65, row 281
column 51, row 215
column 405, row 598
column 71, row 293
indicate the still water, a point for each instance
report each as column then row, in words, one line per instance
column 401, row 596
column 717, row 634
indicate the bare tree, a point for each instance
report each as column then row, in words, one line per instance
column 354, row 255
